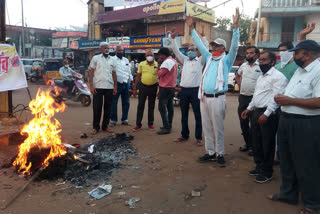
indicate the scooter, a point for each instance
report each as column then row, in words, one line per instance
column 80, row 91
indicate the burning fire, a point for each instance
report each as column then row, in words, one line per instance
column 43, row 131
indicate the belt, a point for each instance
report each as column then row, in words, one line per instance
column 149, row 86
column 299, row 116
column 213, row 95
column 260, row 109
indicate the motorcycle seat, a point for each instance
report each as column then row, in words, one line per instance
column 59, row 83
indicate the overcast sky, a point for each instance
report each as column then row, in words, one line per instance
column 63, row 13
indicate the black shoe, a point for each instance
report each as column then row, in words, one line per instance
column 163, row 131
column 207, row 158
column 263, row 179
column 254, row 172
column 221, row 161
column 243, row 148
column 250, row 152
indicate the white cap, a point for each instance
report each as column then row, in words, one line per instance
column 220, row 42
column 103, row 44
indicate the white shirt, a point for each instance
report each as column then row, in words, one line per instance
column 305, row 84
column 249, row 76
column 103, row 68
column 268, row 85
column 123, row 70
column 66, row 72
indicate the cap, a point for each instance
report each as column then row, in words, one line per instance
column 307, row 45
column 220, row 41
column 103, row 44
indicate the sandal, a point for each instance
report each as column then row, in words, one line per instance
column 108, row 130
column 199, row 143
column 308, row 211
column 276, row 197
column 94, row 131
column 180, row 140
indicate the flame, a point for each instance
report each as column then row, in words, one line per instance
column 43, row 131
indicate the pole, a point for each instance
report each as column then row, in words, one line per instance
column 22, row 29
column 2, row 21
column 258, row 25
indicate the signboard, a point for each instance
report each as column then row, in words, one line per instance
column 12, row 75
column 146, row 41
column 118, row 40
column 60, row 43
column 89, row 44
column 113, row 46
column 200, row 12
column 177, row 6
column 74, row 44
column 115, row 3
column 53, row 75
column 199, row 0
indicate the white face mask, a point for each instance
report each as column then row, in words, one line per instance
column 67, row 66
column 149, row 58
column 285, row 57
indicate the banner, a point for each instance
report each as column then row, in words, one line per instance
column 60, row 43
column 146, row 41
column 12, row 75
column 200, row 12
column 177, row 6
column 116, row 3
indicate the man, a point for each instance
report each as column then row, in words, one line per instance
column 190, row 81
column 264, row 116
column 147, row 72
column 212, row 90
column 167, row 74
column 247, row 74
column 103, row 85
column 124, row 77
column 66, row 74
column 298, row 131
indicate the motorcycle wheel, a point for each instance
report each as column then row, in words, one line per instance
column 58, row 100
column 85, row 100
column 33, row 79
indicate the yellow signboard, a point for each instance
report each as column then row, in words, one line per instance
column 200, row 12
column 177, row 6
column 53, row 75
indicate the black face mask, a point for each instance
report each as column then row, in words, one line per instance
column 105, row 55
column 120, row 55
column 265, row 68
column 250, row 60
column 112, row 54
column 299, row 62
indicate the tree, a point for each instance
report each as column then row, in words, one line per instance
column 223, row 23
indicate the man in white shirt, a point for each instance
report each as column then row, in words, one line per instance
column 247, row 74
column 264, row 117
column 124, row 78
column 103, row 85
column 190, row 81
column 298, row 133
column 66, row 74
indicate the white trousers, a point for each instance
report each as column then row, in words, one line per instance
column 212, row 114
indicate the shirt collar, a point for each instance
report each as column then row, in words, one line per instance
column 312, row 65
column 270, row 72
column 254, row 64
column 197, row 58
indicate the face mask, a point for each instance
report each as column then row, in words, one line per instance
column 120, row 55
column 105, row 55
column 112, row 54
column 149, row 58
column 285, row 57
column 265, row 68
column 216, row 54
column 299, row 62
column 66, row 66
column 250, row 60
column 191, row 54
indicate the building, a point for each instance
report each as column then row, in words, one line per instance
column 282, row 20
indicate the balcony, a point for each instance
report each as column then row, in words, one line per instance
column 289, row 7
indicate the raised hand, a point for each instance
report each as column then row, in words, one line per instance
column 236, row 18
column 173, row 33
column 306, row 31
column 189, row 22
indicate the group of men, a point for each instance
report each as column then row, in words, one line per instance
column 293, row 85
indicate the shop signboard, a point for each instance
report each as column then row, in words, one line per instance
column 59, row 43
column 201, row 12
column 154, row 41
column 115, row 3
column 89, row 44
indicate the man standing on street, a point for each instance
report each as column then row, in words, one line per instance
column 248, row 74
column 190, row 81
column 103, row 85
column 124, row 77
column 298, row 131
column 212, row 90
column 147, row 72
column 167, row 74
column 264, row 116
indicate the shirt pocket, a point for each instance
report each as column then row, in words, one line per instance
column 301, row 89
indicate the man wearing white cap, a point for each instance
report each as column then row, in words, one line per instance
column 214, row 84
column 103, row 85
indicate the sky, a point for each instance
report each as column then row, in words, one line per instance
column 64, row 13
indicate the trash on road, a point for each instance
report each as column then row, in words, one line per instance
column 101, row 191
column 132, row 202
column 195, row 193
column 84, row 135
column 91, row 148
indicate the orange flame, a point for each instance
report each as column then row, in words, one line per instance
column 43, row 131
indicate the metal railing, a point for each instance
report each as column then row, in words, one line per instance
column 289, row 3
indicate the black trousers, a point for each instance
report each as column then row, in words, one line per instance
column 150, row 92
column 245, row 123
column 187, row 96
column 165, row 106
column 102, row 97
column 264, row 141
column 69, row 84
column 299, row 141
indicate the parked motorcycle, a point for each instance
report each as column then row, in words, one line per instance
column 80, row 91
column 36, row 75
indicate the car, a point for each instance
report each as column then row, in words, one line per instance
column 231, row 77
column 27, row 65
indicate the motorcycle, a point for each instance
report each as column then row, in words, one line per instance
column 176, row 98
column 80, row 91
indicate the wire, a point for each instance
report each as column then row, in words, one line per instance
column 83, row 3
column 8, row 13
column 212, row 7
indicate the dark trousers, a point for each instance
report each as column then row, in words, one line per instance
column 69, row 84
column 245, row 123
column 264, row 141
column 123, row 90
column 103, row 96
column 299, row 141
column 150, row 92
column 187, row 96
column 166, row 106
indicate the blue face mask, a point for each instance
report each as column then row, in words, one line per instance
column 191, row 54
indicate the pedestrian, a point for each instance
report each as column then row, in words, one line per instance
column 191, row 74
column 66, row 74
column 167, row 74
column 124, row 78
column 247, row 74
column 298, row 131
column 103, row 85
column 214, row 84
column 264, row 116
column 147, row 72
